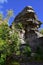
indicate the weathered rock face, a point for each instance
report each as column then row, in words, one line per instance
column 29, row 34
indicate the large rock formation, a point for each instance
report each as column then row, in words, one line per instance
column 29, row 34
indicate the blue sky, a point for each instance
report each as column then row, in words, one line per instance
column 18, row 5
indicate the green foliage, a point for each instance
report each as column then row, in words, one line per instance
column 1, row 16
column 9, row 42
column 4, row 31
column 39, row 53
column 41, row 31
column 19, row 26
column 26, row 50
column 15, row 63
column 10, row 13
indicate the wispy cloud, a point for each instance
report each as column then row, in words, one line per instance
column 1, row 12
column 3, row 1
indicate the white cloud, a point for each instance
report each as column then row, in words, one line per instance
column 3, row 1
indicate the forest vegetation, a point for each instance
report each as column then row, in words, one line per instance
column 10, row 42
